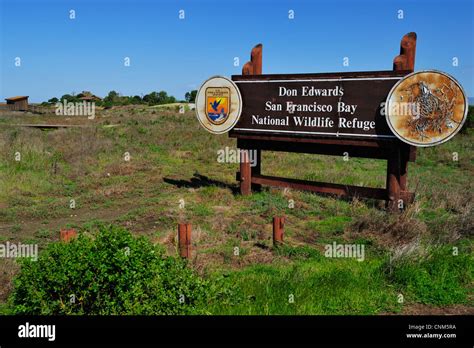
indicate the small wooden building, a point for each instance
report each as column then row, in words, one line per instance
column 19, row 103
column 90, row 98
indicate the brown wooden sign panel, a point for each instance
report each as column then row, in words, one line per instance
column 340, row 105
column 366, row 90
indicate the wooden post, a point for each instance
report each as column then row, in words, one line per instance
column 278, row 225
column 257, row 170
column 404, row 157
column 393, row 179
column 405, row 61
column 245, row 173
column 184, row 240
column 252, row 67
column 67, row 235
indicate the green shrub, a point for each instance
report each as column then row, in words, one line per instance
column 469, row 124
column 111, row 273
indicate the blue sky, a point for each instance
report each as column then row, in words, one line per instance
column 60, row 55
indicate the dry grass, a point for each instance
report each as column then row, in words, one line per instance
column 8, row 268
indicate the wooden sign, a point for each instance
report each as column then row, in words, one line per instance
column 343, row 105
column 331, row 114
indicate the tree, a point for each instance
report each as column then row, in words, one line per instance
column 151, row 99
column 135, row 99
column 191, row 96
column 53, row 100
column 162, row 97
column 112, row 97
column 70, row 98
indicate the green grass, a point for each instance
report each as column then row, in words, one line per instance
column 266, row 202
column 440, row 278
column 330, row 225
column 344, row 286
column 201, row 210
column 317, row 287
column 298, row 252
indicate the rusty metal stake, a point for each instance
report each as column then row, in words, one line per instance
column 66, row 235
column 278, row 225
column 184, row 240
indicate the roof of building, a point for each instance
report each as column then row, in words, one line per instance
column 90, row 97
column 21, row 97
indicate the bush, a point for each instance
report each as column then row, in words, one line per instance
column 469, row 124
column 113, row 273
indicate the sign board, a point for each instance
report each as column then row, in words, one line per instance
column 338, row 114
column 341, row 105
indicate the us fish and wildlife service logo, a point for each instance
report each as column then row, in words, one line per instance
column 218, row 105
column 218, row 101
column 426, row 108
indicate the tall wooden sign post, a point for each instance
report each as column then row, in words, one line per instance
column 336, row 134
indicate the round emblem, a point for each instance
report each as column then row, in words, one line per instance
column 218, row 104
column 426, row 108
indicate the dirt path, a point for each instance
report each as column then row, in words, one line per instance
column 422, row 309
column 80, row 216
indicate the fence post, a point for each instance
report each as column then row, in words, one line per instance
column 66, row 235
column 252, row 67
column 278, row 225
column 405, row 61
column 184, row 240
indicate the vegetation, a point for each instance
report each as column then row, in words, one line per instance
column 469, row 124
column 173, row 175
column 437, row 277
column 191, row 96
column 325, row 286
column 110, row 273
column 118, row 274
column 114, row 98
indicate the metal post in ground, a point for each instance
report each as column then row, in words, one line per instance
column 184, row 240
